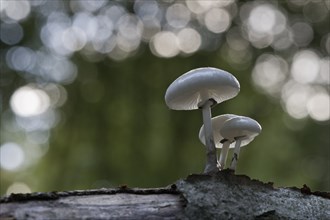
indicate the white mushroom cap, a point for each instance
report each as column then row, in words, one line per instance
column 241, row 127
column 192, row 89
column 217, row 123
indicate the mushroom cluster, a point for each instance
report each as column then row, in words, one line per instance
column 203, row 88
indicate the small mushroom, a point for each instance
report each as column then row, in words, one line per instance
column 239, row 129
column 220, row 142
column 203, row 88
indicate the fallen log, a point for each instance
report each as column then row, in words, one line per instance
column 223, row 195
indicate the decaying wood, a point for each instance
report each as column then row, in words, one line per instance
column 94, row 204
column 219, row 196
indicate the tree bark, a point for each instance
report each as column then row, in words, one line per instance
column 219, row 196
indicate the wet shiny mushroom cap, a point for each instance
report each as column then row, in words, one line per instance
column 192, row 89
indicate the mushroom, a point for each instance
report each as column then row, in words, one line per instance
column 220, row 142
column 242, row 130
column 203, row 88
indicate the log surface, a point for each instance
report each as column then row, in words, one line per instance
column 219, row 196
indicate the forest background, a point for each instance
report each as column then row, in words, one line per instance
column 83, row 85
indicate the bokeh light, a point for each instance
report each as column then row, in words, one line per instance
column 177, row 15
column 130, row 29
column 16, row 10
column 73, row 39
column 296, row 104
column 21, row 58
column 264, row 24
column 11, row 33
column 40, row 122
column 270, row 73
column 316, row 11
column 165, row 44
column 305, row 66
column 324, row 74
column 87, row 5
column 189, row 40
column 28, row 101
column 302, row 33
column 11, row 156
column 319, row 106
column 18, row 187
column 90, row 75
column 217, row 20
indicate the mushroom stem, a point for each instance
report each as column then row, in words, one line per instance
column 223, row 155
column 236, row 154
column 211, row 156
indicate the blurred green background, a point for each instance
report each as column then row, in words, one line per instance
column 83, row 85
